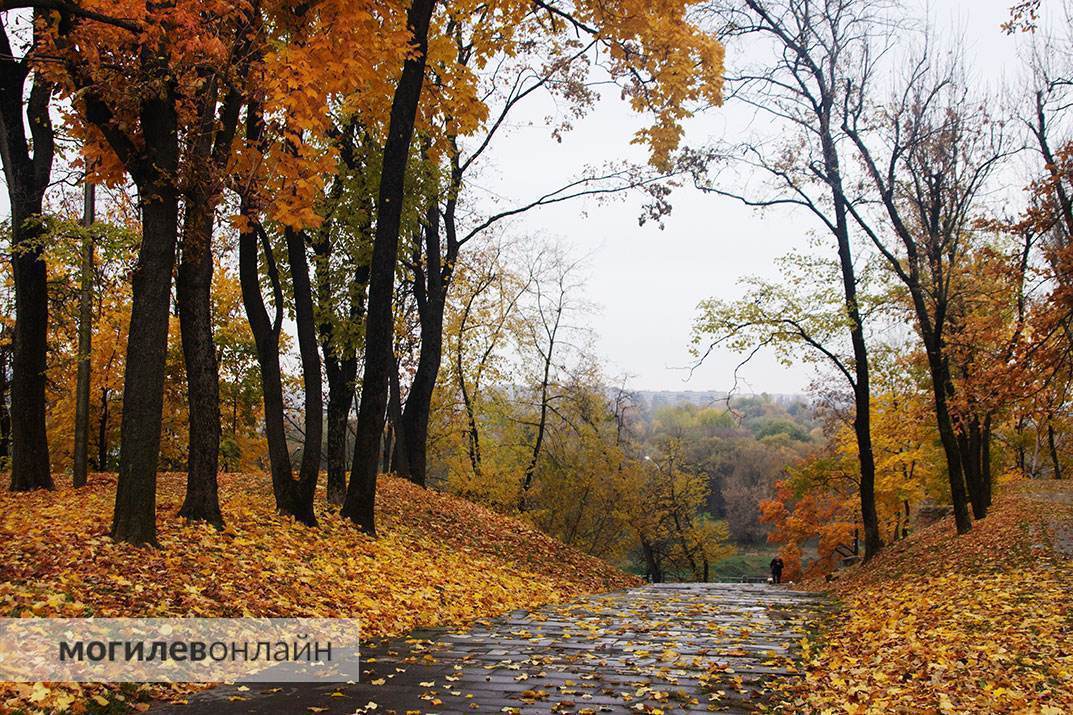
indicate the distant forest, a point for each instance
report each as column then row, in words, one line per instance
column 742, row 446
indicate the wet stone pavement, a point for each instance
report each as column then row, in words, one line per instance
column 667, row 648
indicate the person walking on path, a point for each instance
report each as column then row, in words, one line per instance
column 776, row 570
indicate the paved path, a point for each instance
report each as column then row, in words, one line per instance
column 661, row 648
column 1059, row 526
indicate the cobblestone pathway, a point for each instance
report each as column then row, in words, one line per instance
column 660, row 648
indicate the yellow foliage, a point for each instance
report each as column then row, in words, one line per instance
column 440, row 561
column 943, row 624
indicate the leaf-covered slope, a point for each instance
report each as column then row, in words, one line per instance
column 941, row 623
column 439, row 561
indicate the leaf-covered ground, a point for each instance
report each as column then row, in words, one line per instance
column 439, row 561
column 981, row 623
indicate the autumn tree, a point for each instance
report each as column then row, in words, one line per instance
column 814, row 51
column 342, row 246
column 929, row 158
column 675, row 538
column 379, row 331
column 487, row 318
column 27, row 161
column 553, row 306
column 542, row 56
column 212, row 134
column 108, row 302
column 800, row 317
column 653, row 51
column 151, row 81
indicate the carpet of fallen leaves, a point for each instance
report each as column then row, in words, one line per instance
column 438, row 561
column 981, row 623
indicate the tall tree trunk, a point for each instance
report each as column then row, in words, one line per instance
column 134, row 520
column 266, row 332
column 341, row 370
column 266, row 340
column 210, row 152
column 80, row 471
column 380, row 327
column 305, row 321
column 154, row 165
column 27, row 178
column 341, row 375
column 193, row 292
column 1053, row 448
column 862, row 391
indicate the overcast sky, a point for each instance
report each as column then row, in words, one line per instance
column 647, row 282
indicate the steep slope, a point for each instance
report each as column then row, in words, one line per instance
column 941, row 623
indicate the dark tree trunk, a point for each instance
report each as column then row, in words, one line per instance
column 305, row 320
column 948, row 437
column 266, row 340
column 341, row 375
column 153, row 163
column 27, row 178
column 431, row 279
column 102, row 432
column 30, row 467
column 80, row 470
column 210, row 152
column 862, row 391
column 266, row 332
column 341, row 371
column 193, row 291
column 134, row 520
column 379, row 334
column 655, row 572
column 970, row 445
column 1052, row 446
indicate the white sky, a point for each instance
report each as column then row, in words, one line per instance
column 648, row 282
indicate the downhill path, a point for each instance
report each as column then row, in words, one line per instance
column 658, row 648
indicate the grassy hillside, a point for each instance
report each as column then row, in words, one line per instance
column 943, row 624
column 439, row 561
